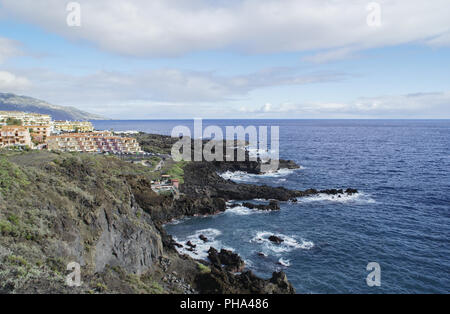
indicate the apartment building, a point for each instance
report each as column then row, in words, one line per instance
column 72, row 126
column 39, row 133
column 98, row 142
column 13, row 135
column 25, row 118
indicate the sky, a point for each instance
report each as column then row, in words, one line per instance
column 183, row 59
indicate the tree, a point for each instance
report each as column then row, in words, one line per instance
column 12, row 121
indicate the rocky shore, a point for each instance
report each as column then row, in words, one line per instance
column 101, row 212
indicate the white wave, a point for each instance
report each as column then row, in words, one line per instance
column 264, row 154
column 240, row 210
column 245, row 211
column 289, row 243
column 284, row 262
column 240, row 176
column 248, row 263
column 201, row 249
column 173, row 222
column 340, row 198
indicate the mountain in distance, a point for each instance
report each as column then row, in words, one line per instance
column 12, row 102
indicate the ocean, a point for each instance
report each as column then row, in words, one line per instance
column 400, row 219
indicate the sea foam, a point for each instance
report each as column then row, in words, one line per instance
column 284, row 262
column 289, row 243
column 201, row 249
column 242, row 176
column 340, row 198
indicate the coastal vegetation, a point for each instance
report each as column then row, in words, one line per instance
column 175, row 170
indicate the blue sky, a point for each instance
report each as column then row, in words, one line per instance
column 240, row 59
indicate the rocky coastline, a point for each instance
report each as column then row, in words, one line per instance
column 205, row 192
column 101, row 212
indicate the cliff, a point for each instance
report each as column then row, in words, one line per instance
column 98, row 211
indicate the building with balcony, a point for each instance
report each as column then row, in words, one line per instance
column 72, row 126
column 93, row 142
column 25, row 118
column 13, row 135
column 39, row 133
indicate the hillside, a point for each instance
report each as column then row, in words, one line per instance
column 99, row 211
column 12, row 102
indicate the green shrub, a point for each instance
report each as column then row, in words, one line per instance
column 5, row 227
column 13, row 219
column 11, row 175
column 17, row 260
column 177, row 171
column 203, row 268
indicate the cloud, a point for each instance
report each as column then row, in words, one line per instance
column 417, row 105
column 10, row 82
column 331, row 55
column 175, row 27
column 442, row 40
column 8, row 48
column 163, row 85
column 412, row 106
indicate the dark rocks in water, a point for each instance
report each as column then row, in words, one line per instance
column 332, row 191
column 280, row 280
column 214, row 257
column 201, row 179
column 203, row 238
column 176, row 244
column 190, row 244
column 232, row 261
column 348, row 191
column 337, row 192
column 273, row 205
column 261, row 254
column 219, row 281
column 275, row 239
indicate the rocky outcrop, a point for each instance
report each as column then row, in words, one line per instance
column 275, row 239
column 220, row 281
column 201, row 178
column 123, row 244
column 272, row 205
column 225, row 258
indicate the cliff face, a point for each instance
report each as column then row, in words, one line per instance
column 61, row 208
column 101, row 213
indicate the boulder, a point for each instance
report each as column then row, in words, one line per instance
column 273, row 205
column 231, row 261
column 275, row 239
column 190, row 244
